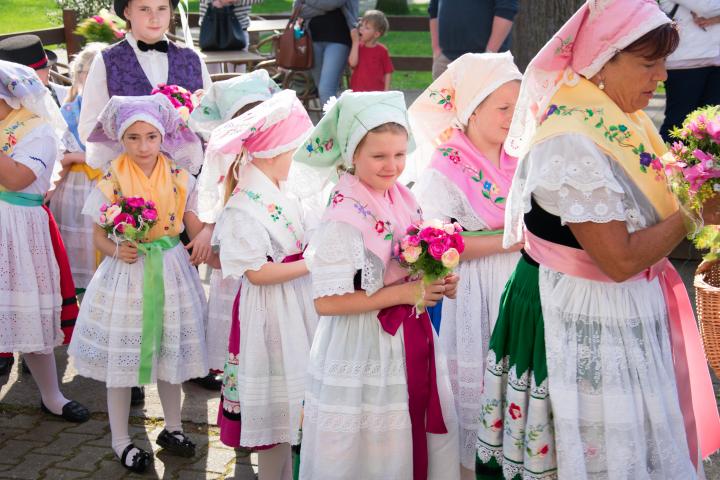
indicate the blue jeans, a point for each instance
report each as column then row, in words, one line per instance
column 329, row 64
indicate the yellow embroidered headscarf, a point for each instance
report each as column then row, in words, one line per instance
column 166, row 186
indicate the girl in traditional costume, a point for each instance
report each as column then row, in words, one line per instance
column 378, row 402
column 78, row 180
column 30, row 285
column 143, row 317
column 471, row 105
column 261, row 237
column 221, row 103
column 595, row 369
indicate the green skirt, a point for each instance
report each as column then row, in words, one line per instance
column 516, row 438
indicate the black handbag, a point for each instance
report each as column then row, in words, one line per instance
column 221, row 30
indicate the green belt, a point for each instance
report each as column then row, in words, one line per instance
column 153, row 303
column 481, row 233
column 22, row 199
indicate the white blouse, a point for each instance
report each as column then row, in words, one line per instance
column 95, row 93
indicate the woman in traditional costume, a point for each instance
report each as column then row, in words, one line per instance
column 595, row 367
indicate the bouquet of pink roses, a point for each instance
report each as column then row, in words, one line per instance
column 183, row 101
column 128, row 218
column 431, row 249
column 693, row 169
column 103, row 27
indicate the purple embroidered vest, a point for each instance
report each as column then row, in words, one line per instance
column 125, row 76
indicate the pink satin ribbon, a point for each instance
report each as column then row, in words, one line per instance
column 698, row 404
column 423, row 398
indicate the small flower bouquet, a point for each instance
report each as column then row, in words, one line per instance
column 103, row 27
column 431, row 249
column 183, row 101
column 129, row 218
column 693, row 168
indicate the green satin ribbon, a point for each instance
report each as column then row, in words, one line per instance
column 153, row 303
column 481, row 233
column 22, row 199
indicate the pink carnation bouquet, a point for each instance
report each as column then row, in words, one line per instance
column 183, row 101
column 103, row 27
column 693, row 169
column 431, row 250
column 129, row 218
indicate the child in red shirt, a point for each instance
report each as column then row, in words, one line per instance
column 369, row 59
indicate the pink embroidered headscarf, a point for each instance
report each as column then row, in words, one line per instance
column 276, row 126
column 592, row 36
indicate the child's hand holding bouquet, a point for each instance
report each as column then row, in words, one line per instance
column 128, row 221
column 431, row 251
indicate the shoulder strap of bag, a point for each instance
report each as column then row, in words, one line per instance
column 673, row 11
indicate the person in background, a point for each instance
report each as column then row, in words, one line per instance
column 468, row 26
column 28, row 50
column 369, row 59
column 329, row 23
column 694, row 68
column 78, row 179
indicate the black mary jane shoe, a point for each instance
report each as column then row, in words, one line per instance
column 6, row 364
column 211, row 381
column 182, row 447
column 137, row 396
column 71, row 411
column 139, row 462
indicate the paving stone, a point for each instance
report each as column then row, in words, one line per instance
column 10, row 434
column 86, row 458
column 48, row 427
column 242, row 472
column 104, row 442
column 32, row 466
column 14, row 451
column 65, row 442
column 197, row 475
column 19, row 420
column 61, row 473
column 92, row 427
column 109, row 470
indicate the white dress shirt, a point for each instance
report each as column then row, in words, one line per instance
column 95, row 93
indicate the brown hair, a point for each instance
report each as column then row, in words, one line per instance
column 378, row 20
column 247, row 107
column 231, row 180
column 657, row 43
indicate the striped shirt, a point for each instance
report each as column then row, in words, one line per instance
column 241, row 9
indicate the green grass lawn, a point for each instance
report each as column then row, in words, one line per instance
column 22, row 15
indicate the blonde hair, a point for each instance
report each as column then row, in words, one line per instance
column 231, row 176
column 81, row 63
column 378, row 20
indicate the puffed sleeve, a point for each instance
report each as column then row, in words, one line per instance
column 243, row 242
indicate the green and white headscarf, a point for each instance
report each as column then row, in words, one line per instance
column 335, row 138
column 224, row 99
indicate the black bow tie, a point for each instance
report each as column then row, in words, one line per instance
column 161, row 46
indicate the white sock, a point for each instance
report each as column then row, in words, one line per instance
column 275, row 463
column 44, row 372
column 118, row 400
column 171, row 400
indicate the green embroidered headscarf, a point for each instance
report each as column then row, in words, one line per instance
column 224, row 99
column 334, row 139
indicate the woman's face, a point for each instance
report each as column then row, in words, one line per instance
column 491, row 119
column 149, row 19
column 142, row 142
column 631, row 79
column 380, row 159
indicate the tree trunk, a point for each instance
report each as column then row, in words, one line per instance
column 392, row 7
column 536, row 23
